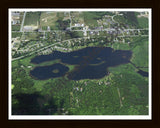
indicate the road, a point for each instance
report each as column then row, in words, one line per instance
column 23, row 21
column 121, row 105
column 69, row 40
column 133, row 36
column 114, row 16
column 34, row 52
column 70, row 21
column 107, row 29
column 43, row 48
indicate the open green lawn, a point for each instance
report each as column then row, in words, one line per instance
column 121, row 46
column 140, row 55
column 55, row 21
column 16, row 27
column 16, row 34
column 33, row 35
column 77, row 17
column 32, row 18
column 143, row 22
column 90, row 18
column 48, row 19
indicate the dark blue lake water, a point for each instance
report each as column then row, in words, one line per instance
column 46, row 72
column 91, row 63
column 143, row 73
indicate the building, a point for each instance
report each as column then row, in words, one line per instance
column 27, row 28
column 15, row 15
column 15, row 18
column 48, row 28
column 14, row 22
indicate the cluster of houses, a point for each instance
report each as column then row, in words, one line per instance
column 79, row 25
column 15, row 18
column 143, row 14
column 15, row 43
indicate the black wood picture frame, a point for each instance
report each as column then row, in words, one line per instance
column 5, row 5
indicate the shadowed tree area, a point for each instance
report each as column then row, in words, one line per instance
column 34, row 104
column 131, row 18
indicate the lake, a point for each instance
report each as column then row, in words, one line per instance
column 46, row 72
column 90, row 63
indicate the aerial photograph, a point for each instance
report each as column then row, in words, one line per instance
column 79, row 62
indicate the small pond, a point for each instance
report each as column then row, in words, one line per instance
column 143, row 73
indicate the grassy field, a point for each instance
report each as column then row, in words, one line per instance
column 16, row 27
column 32, row 18
column 51, row 19
column 48, row 19
column 77, row 17
column 32, row 36
column 121, row 46
column 90, row 18
column 16, row 34
column 143, row 22
column 140, row 55
column 120, row 19
column 122, row 68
